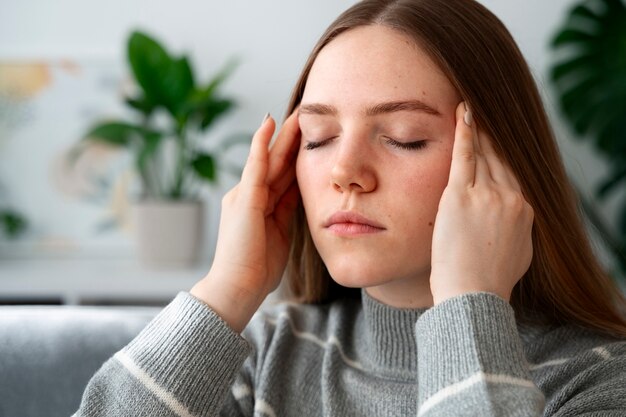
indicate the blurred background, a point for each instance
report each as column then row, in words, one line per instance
column 88, row 138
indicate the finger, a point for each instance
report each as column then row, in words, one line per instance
column 483, row 175
column 463, row 166
column 286, row 206
column 500, row 170
column 279, row 187
column 282, row 183
column 255, row 171
column 285, row 148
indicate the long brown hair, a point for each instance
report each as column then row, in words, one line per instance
column 565, row 283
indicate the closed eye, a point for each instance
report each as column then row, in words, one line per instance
column 310, row 145
column 415, row 145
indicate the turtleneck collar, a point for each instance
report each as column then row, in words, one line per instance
column 390, row 337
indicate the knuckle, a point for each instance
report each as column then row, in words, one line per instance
column 467, row 156
column 229, row 197
column 515, row 201
column 490, row 196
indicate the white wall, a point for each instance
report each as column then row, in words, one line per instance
column 271, row 37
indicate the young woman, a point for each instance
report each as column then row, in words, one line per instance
column 431, row 243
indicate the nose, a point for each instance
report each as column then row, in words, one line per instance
column 353, row 169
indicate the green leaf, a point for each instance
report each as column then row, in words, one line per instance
column 165, row 81
column 204, row 166
column 114, row 133
column 583, row 12
column 579, row 66
column 615, row 7
column 576, row 103
column 13, row 224
column 572, row 36
column 608, row 184
column 178, row 84
column 610, row 135
column 149, row 62
column 142, row 104
column 212, row 110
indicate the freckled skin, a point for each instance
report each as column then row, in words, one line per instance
column 359, row 171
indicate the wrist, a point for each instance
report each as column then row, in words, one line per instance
column 234, row 305
column 443, row 288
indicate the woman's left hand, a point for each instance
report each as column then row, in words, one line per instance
column 482, row 234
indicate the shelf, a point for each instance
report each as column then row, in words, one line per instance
column 92, row 282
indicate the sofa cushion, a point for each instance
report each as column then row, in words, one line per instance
column 48, row 354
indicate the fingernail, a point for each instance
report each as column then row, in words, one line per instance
column 467, row 118
column 267, row 116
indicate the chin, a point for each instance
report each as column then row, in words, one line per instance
column 358, row 276
column 364, row 270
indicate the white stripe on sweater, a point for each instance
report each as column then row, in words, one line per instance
column 151, row 385
column 554, row 362
column 332, row 340
column 602, row 352
column 461, row 386
column 241, row 390
column 261, row 406
column 599, row 350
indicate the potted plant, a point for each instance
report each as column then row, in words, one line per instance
column 171, row 112
column 590, row 80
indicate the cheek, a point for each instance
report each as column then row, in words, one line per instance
column 425, row 186
column 307, row 176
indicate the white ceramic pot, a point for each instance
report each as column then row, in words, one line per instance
column 169, row 233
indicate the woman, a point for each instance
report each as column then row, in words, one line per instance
column 435, row 251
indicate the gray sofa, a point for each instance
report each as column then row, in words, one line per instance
column 47, row 354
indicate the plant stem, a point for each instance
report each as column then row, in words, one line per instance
column 148, row 177
column 177, row 191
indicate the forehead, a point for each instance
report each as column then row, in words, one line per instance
column 374, row 63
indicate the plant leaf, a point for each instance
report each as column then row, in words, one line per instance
column 114, row 133
column 142, row 104
column 178, row 85
column 583, row 12
column 149, row 62
column 580, row 66
column 13, row 224
column 204, row 166
column 212, row 110
column 165, row 81
column 572, row 36
column 614, row 179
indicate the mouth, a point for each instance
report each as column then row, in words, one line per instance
column 349, row 223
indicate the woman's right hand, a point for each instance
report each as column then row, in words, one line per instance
column 253, row 240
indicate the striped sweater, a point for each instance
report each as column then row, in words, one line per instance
column 463, row 357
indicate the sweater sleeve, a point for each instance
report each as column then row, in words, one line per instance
column 184, row 363
column 471, row 360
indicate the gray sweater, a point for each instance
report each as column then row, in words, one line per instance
column 463, row 357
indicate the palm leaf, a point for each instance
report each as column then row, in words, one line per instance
column 590, row 80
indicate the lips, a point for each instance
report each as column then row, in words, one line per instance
column 352, row 223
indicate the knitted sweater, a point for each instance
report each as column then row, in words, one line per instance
column 463, row 357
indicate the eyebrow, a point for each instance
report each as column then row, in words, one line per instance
column 381, row 108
